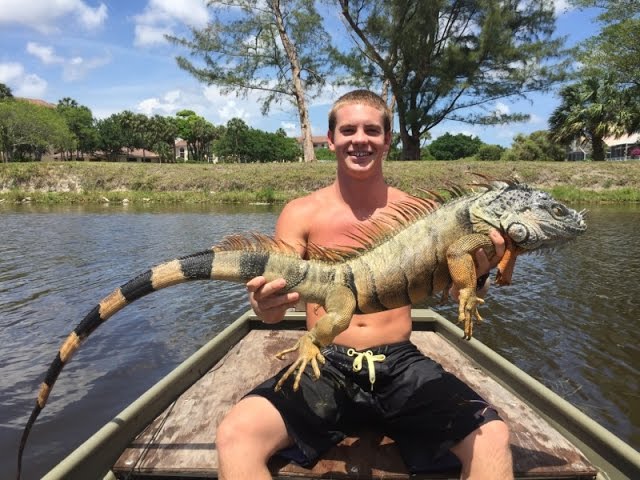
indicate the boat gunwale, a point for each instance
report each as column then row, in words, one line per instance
column 96, row 456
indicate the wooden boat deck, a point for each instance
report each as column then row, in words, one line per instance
column 180, row 443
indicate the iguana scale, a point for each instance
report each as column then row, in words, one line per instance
column 421, row 249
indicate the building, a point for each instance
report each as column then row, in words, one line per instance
column 319, row 141
column 618, row 148
column 623, row 148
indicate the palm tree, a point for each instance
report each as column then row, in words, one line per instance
column 592, row 109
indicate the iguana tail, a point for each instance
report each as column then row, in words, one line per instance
column 237, row 267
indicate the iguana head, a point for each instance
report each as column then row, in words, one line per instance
column 531, row 218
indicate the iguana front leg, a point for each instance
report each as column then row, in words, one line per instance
column 339, row 305
column 463, row 274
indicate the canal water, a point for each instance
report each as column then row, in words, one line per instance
column 570, row 319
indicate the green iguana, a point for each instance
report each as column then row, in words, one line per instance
column 431, row 242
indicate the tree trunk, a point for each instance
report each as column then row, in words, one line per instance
column 298, row 90
column 410, row 145
column 598, row 146
column 410, row 148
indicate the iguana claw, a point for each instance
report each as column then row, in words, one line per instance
column 308, row 351
column 468, row 310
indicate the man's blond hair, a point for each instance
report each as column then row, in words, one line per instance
column 363, row 97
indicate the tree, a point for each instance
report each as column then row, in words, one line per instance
column 616, row 49
column 592, row 109
column 453, row 147
column 198, row 133
column 111, row 135
column 448, row 59
column 134, row 129
column 274, row 47
column 240, row 143
column 28, row 131
column 5, row 92
column 490, row 152
column 538, row 146
column 80, row 121
column 163, row 132
column 233, row 145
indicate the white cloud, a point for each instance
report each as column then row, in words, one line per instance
column 73, row 68
column 172, row 96
column 190, row 12
column 148, row 35
column 46, row 17
column 78, row 67
column 536, row 119
column 22, row 84
column 501, row 109
column 290, row 128
column 9, row 72
column 170, row 103
column 562, row 6
column 161, row 16
column 226, row 107
column 44, row 53
column 206, row 102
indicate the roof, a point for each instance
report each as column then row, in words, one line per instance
column 316, row 139
column 36, row 101
column 623, row 140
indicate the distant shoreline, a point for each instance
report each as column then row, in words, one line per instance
column 102, row 182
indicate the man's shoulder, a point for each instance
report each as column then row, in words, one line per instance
column 397, row 195
column 311, row 200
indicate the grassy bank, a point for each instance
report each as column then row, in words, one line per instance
column 83, row 182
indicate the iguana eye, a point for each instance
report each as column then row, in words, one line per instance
column 558, row 210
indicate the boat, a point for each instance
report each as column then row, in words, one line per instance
column 169, row 431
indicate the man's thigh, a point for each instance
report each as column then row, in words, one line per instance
column 312, row 415
column 435, row 411
column 255, row 420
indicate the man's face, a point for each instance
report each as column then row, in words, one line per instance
column 359, row 140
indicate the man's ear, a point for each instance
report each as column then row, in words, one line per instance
column 330, row 138
column 387, row 139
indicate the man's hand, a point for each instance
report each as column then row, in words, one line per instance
column 484, row 264
column 270, row 305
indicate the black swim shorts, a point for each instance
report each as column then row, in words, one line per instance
column 395, row 389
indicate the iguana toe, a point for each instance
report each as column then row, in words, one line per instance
column 308, row 352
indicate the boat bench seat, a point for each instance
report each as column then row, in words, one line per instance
column 180, row 443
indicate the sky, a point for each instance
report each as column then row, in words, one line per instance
column 111, row 56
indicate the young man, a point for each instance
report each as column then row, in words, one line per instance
column 429, row 413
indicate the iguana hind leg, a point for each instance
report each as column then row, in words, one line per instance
column 340, row 305
column 468, row 310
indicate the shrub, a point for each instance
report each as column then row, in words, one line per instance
column 490, row 152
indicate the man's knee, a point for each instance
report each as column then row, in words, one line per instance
column 253, row 425
column 229, row 433
column 490, row 439
column 497, row 433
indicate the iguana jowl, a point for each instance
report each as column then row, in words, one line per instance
column 417, row 251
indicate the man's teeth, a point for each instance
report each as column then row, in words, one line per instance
column 360, row 154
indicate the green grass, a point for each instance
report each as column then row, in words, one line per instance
column 89, row 182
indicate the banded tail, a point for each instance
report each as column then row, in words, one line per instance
column 241, row 265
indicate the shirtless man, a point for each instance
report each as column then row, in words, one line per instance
column 429, row 413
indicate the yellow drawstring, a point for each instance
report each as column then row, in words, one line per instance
column 357, row 362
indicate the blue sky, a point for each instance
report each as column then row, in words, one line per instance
column 111, row 56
